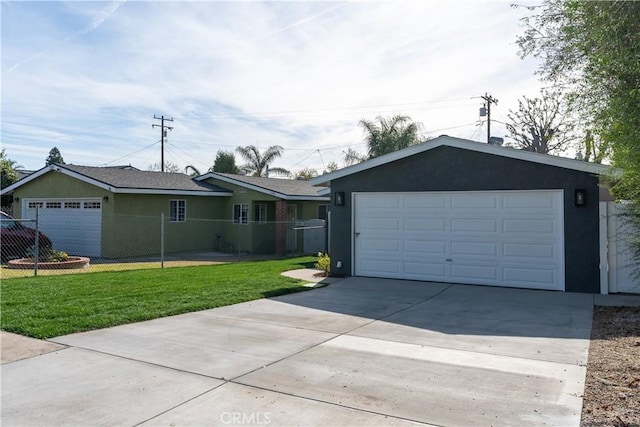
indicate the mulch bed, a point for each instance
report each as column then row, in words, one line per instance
column 612, row 389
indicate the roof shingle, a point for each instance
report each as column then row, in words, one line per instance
column 144, row 180
column 287, row 187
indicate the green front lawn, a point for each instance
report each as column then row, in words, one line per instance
column 49, row 306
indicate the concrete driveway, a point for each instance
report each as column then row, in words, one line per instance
column 358, row 352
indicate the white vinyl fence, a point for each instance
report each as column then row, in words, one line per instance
column 617, row 265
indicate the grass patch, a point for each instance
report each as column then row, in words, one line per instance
column 49, row 306
column 10, row 273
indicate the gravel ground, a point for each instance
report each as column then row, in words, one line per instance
column 612, row 391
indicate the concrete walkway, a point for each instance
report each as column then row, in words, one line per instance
column 357, row 352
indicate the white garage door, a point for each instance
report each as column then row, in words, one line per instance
column 503, row 238
column 73, row 225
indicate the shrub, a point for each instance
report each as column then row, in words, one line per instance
column 48, row 255
column 324, row 262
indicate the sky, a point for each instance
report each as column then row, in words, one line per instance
column 88, row 77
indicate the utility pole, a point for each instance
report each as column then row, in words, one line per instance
column 488, row 101
column 163, row 135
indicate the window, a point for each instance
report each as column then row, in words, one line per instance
column 322, row 211
column 240, row 214
column 177, row 210
column 72, row 205
column 33, row 205
column 260, row 212
column 54, row 205
column 92, row 205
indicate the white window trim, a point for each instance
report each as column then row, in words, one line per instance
column 242, row 219
column 261, row 209
column 177, row 217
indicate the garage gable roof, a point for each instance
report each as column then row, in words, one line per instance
column 465, row 144
column 132, row 181
column 286, row 189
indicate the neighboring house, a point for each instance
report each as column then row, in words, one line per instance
column 115, row 212
column 23, row 173
column 273, row 211
column 458, row 211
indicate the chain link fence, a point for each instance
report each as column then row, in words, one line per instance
column 65, row 241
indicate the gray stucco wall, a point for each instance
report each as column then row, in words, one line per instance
column 454, row 169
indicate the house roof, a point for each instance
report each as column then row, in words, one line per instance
column 465, row 144
column 286, row 189
column 126, row 180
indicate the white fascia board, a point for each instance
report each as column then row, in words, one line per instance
column 117, row 190
column 107, row 187
column 262, row 190
column 464, row 144
column 58, row 169
column 26, row 179
column 307, row 198
column 326, row 191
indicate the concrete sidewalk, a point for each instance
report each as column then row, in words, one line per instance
column 357, row 352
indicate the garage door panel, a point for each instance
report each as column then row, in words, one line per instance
column 416, row 270
column 474, row 225
column 380, row 245
column 382, row 266
column 508, row 238
column 424, row 224
column 529, row 226
column 474, row 248
column 528, row 275
column 529, row 200
column 474, row 201
column 380, row 201
column 431, row 201
column 381, row 224
column 480, row 274
column 425, row 247
column 519, row 250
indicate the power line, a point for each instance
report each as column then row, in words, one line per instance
column 130, row 154
column 163, row 136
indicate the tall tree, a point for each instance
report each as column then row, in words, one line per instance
column 257, row 164
column 305, row 174
column 591, row 50
column 54, row 157
column 351, row 157
column 386, row 135
column 541, row 125
column 168, row 167
column 593, row 149
column 8, row 176
column 331, row 167
column 225, row 163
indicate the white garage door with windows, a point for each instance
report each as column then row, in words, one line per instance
column 503, row 238
column 73, row 225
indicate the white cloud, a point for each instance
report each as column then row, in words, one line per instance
column 233, row 73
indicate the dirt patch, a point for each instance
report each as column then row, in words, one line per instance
column 612, row 389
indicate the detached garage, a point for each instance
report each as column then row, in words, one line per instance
column 458, row 211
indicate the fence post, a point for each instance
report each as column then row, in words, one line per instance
column 37, row 243
column 239, row 225
column 162, row 240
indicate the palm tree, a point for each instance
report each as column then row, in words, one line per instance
column 351, row 157
column 258, row 164
column 388, row 135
